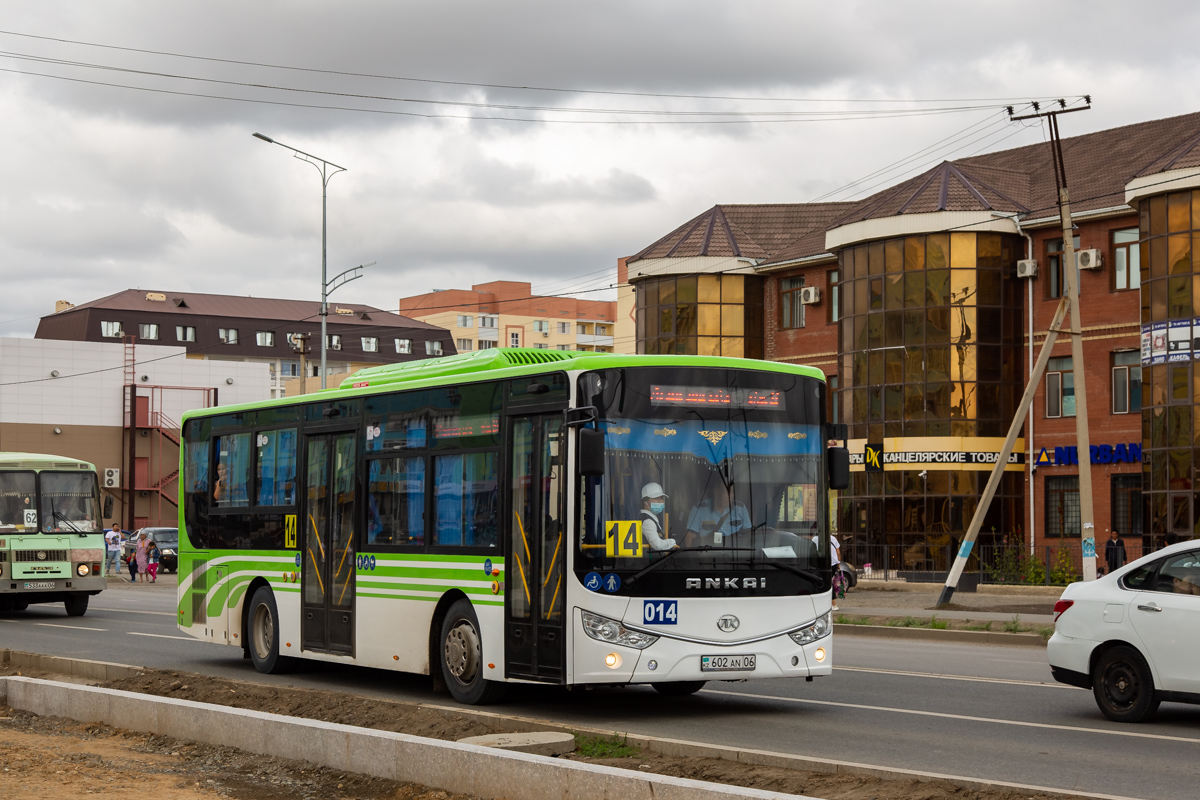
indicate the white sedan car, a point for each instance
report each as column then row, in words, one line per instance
column 1133, row 636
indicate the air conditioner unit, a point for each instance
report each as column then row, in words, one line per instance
column 1088, row 259
column 810, row 295
column 545, row 333
column 112, row 478
column 1027, row 268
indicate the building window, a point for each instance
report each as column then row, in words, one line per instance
column 464, row 344
column 1127, row 382
column 564, row 327
column 1127, row 504
column 602, row 330
column 111, row 330
column 831, row 392
column 148, row 331
column 834, row 296
column 404, row 346
column 562, row 347
column 466, row 321
column 370, row 344
column 1060, row 388
column 264, row 338
column 433, row 348
column 514, row 339
column 1127, row 261
column 486, row 344
column 1054, row 262
column 540, row 346
column 489, row 322
column 333, row 341
column 792, row 310
column 228, row 335
column 1062, row 506
column 581, row 330
column 185, row 333
column 541, row 325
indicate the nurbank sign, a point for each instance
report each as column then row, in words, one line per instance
column 1101, row 454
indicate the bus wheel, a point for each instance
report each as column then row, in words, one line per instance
column 678, row 688
column 264, row 634
column 462, row 658
column 76, row 605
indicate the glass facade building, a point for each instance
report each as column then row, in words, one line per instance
column 707, row 315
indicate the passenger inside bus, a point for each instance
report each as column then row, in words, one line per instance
column 654, row 504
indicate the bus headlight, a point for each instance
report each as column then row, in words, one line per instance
column 610, row 631
column 819, row 628
column 82, row 570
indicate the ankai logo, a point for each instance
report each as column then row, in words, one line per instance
column 871, row 456
column 725, row 583
column 728, row 623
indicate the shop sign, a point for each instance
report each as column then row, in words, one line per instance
column 1101, row 454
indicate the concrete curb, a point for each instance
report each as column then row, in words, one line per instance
column 932, row 635
column 92, row 670
column 449, row 766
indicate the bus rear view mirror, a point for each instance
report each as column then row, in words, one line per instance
column 591, row 452
column 839, row 468
column 108, row 505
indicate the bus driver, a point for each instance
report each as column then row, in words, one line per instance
column 654, row 503
column 713, row 518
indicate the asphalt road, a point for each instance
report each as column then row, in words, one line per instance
column 975, row 711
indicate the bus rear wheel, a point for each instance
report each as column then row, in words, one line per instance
column 76, row 605
column 678, row 688
column 264, row 634
column 462, row 658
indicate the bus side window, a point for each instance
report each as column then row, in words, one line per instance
column 396, row 501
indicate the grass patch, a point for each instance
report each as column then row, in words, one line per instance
column 1046, row 631
column 842, row 619
column 906, row 622
column 1013, row 625
column 604, row 746
column 939, row 624
column 985, row 626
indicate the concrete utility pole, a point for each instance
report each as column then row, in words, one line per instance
column 1070, row 300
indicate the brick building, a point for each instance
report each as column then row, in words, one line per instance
column 911, row 302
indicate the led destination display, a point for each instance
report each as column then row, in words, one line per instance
column 714, row 397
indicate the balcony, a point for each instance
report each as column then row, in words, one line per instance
column 593, row 340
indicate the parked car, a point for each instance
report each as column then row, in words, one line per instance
column 1133, row 636
column 167, row 540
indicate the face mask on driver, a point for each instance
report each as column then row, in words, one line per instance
column 658, row 508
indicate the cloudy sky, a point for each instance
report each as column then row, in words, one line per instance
column 128, row 159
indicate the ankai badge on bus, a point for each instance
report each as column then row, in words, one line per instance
column 623, row 538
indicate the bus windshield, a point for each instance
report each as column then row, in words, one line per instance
column 18, row 511
column 70, row 502
column 711, row 475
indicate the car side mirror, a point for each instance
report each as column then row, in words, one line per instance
column 591, row 452
column 108, row 507
column 839, row 468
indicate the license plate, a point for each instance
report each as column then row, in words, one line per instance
column 726, row 663
column 39, row 584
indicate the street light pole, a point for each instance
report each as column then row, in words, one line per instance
column 326, row 174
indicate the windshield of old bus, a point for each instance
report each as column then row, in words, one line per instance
column 70, row 502
column 716, row 473
column 18, row 512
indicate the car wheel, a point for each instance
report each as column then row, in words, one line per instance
column 461, row 658
column 76, row 605
column 264, row 635
column 678, row 688
column 1123, row 686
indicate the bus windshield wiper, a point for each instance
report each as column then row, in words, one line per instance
column 699, row 549
column 61, row 517
column 803, row 573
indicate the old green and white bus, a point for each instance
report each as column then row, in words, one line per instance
column 521, row 515
column 51, row 532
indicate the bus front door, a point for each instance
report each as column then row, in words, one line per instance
column 327, row 574
column 534, row 641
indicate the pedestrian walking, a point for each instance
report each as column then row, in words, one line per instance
column 113, row 540
column 141, row 555
column 1114, row 552
column 131, row 562
column 152, row 561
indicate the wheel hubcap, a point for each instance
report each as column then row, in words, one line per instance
column 462, row 652
column 264, row 632
column 1121, row 685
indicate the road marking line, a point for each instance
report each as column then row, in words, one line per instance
column 963, row 717
column 164, row 636
column 949, row 677
column 132, row 611
column 69, row 627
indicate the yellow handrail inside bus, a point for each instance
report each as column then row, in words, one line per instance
column 318, row 535
column 317, row 571
column 521, row 568
column 553, row 558
column 555, row 597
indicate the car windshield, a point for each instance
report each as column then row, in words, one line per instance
column 167, row 537
column 70, row 502
column 709, row 473
column 18, row 511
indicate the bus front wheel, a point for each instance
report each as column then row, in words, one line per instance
column 264, row 634
column 462, row 658
column 76, row 605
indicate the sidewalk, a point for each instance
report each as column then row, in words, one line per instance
column 920, row 600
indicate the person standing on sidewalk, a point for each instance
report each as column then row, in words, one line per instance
column 142, row 555
column 152, row 561
column 113, row 540
column 1114, row 552
column 835, row 555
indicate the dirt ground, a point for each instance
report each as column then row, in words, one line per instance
column 107, row 762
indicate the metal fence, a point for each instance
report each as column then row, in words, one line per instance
column 1049, row 565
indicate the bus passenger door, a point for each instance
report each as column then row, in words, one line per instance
column 534, row 640
column 327, row 574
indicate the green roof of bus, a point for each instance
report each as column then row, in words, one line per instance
column 41, row 461
column 498, row 363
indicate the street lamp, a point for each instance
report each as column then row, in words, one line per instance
column 326, row 174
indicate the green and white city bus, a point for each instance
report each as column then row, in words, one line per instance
column 51, row 532
column 521, row 515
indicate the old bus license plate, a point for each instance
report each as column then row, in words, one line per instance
column 39, row 584
column 726, row 663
